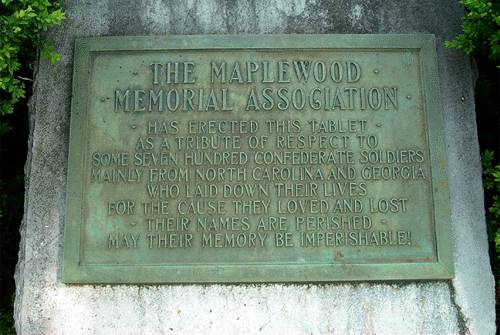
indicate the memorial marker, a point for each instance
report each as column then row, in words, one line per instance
column 298, row 158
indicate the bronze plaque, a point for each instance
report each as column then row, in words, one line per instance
column 291, row 158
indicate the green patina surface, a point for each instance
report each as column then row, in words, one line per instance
column 290, row 158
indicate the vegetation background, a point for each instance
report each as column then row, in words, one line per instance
column 22, row 27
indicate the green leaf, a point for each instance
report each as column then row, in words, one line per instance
column 481, row 29
column 22, row 23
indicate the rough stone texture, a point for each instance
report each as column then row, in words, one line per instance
column 46, row 306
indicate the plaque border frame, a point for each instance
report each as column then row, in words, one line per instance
column 74, row 272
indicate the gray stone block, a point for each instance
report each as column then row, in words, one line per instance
column 44, row 305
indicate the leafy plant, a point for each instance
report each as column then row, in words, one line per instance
column 481, row 29
column 22, row 25
column 491, row 181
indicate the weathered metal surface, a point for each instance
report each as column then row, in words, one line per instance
column 256, row 159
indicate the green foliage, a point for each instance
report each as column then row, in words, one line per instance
column 491, row 181
column 481, row 28
column 22, row 25
column 6, row 323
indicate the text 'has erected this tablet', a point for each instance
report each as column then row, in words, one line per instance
column 291, row 158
